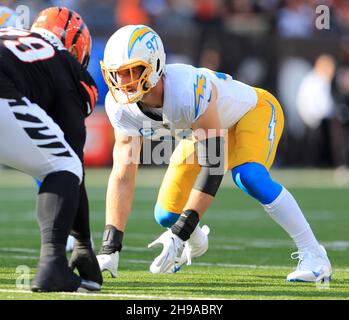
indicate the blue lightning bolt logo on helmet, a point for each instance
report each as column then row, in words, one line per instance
column 138, row 34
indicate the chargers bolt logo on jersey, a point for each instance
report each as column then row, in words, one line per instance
column 199, row 88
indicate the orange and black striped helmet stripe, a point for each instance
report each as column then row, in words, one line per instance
column 70, row 29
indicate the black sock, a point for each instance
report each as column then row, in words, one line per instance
column 57, row 205
column 81, row 225
column 50, row 249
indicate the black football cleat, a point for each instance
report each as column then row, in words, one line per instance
column 85, row 261
column 54, row 275
column 89, row 286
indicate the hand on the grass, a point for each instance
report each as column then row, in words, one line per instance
column 171, row 253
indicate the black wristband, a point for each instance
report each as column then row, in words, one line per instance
column 186, row 224
column 112, row 240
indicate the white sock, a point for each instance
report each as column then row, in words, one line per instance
column 285, row 211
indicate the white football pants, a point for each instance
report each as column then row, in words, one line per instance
column 32, row 142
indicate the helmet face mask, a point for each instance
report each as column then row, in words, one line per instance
column 122, row 92
column 132, row 47
column 65, row 27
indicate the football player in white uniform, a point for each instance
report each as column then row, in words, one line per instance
column 234, row 127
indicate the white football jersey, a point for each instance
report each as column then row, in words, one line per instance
column 187, row 93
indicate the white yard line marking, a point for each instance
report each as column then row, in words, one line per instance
column 231, row 245
column 113, row 295
column 26, row 250
column 199, row 264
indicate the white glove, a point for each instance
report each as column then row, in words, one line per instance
column 109, row 262
column 196, row 245
column 173, row 247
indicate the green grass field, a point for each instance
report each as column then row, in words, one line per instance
column 248, row 258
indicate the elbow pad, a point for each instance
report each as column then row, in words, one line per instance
column 210, row 154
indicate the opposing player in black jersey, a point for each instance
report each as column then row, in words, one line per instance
column 45, row 95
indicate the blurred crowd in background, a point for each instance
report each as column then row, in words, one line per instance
column 274, row 44
column 288, row 18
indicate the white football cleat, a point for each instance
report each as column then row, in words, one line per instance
column 195, row 247
column 109, row 262
column 313, row 266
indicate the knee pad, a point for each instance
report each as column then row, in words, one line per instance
column 164, row 217
column 254, row 179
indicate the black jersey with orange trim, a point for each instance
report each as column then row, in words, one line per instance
column 49, row 76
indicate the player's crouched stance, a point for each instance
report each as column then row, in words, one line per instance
column 45, row 95
column 236, row 124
